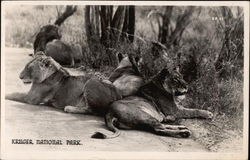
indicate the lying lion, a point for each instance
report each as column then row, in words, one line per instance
column 53, row 85
column 153, row 105
column 48, row 41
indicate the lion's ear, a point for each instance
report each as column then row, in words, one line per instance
column 119, row 57
column 43, row 28
column 39, row 53
column 137, row 58
column 177, row 68
column 162, row 74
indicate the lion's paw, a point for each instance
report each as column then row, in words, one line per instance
column 182, row 127
column 185, row 133
column 208, row 115
column 69, row 109
column 169, row 119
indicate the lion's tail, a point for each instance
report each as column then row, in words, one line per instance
column 109, row 119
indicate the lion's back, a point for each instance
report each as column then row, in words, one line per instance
column 70, row 92
column 100, row 94
column 59, row 51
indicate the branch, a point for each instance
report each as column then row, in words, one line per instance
column 181, row 24
column 69, row 11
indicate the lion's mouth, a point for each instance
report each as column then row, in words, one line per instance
column 180, row 92
column 27, row 81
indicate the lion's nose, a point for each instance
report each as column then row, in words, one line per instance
column 21, row 76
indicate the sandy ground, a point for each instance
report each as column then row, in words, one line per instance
column 24, row 121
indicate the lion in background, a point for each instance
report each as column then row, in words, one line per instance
column 48, row 41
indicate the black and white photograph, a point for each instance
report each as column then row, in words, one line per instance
column 124, row 80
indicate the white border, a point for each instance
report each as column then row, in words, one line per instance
column 131, row 155
column 141, row 3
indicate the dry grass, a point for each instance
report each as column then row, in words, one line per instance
column 23, row 22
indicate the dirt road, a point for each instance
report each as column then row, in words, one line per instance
column 24, row 121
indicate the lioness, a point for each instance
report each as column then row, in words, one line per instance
column 48, row 41
column 53, row 85
column 152, row 106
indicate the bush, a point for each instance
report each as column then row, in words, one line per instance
column 207, row 90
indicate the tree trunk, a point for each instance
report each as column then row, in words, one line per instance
column 233, row 34
column 164, row 30
column 128, row 29
column 88, row 24
column 181, row 24
column 167, row 35
column 117, row 24
column 106, row 18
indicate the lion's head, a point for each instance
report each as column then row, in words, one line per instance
column 39, row 68
column 51, row 31
column 156, row 63
column 46, row 34
column 174, row 83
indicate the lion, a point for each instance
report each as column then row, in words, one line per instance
column 48, row 41
column 151, row 106
column 53, row 85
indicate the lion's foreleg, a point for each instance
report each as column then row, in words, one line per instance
column 193, row 113
column 19, row 97
column 77, row 110
column 24, row 98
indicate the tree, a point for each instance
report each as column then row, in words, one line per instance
column 169, row 35
column 106, row 26
column 232, row 42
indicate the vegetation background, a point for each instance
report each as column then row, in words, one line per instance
column 209, row 50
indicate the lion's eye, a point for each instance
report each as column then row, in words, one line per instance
column 47, row 65
column 41, row 64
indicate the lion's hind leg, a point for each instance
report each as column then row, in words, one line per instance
column 178, row 131
column 183, row 133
